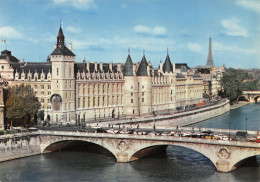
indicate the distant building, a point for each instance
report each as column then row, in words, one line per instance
column 211, row 75
column 85, row 91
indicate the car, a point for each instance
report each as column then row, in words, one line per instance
column 101, row 130
column 96, row 126
column 185, row 134
column 172, row 133
column 68, row 123
column 152, row 133
column 165, row 134
column 110, row 131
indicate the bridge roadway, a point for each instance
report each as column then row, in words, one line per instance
column 225, row 155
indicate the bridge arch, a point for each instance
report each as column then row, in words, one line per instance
column 256, row 98
column 240, row 159
column 205, row 152
column 58, row 143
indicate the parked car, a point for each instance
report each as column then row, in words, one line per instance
column 165, row 134
column 68, row 123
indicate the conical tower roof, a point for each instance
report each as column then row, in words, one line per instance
column 167, row 65
column 128, row 71
column 210, row 61
column 142, row 70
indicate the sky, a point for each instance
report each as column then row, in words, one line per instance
column 104, row 30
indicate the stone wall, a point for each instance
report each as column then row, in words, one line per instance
column 182, row 119
column 18, row 146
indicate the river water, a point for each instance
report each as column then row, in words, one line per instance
column 177, row 164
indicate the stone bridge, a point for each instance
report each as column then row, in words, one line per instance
column 225, row 155
column 251, row 96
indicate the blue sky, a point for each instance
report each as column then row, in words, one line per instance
column 103, row 30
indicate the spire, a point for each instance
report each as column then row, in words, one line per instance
column 60, row 38
column 128, row 71
column 210, row 58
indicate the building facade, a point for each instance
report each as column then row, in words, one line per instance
column 84, row 91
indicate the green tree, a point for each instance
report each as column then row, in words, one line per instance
column 232, row 82
column 21, row 104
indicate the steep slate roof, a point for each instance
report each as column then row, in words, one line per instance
column 62, row 51
column 180, row 65
column 128, row 68
column 167, row 65
column 142, row 70
column 7, row 54
column 32, row 67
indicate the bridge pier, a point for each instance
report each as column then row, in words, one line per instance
column 122, row 157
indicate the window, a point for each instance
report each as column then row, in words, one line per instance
column 132, row 100
column 133, row 111
column 142, row 93
column 49, row 87
column 42, row 86
column 132, row 87
column 132, row 94
column 57, row 71
column 142, row 86
column 142, row 99
column 3, row 67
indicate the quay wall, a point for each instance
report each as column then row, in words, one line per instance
column 19, row 146
column 181, row 119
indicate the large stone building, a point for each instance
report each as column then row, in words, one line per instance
column 69, row 90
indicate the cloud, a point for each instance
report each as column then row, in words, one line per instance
column 78, row 4
column 253, row 5
column 148, row 43
column 8, row 32
column 232, row 27
column 155, row 31
column 73, row 29
column 233, row 48
column 194, row 47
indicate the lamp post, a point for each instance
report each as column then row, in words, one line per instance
column 154, row 121
column 246, row 123
column 229, row 123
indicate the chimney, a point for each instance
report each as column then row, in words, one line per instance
column 88, row 67
column 161, row 67
column 70, row 46
column 119, row 67
column 55, row 46
column 95, row 66
column 148, row 70
column 173, row 66
column 110, row 67
column 101, row 66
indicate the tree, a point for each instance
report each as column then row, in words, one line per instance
column 21, row 104
column 232, row 83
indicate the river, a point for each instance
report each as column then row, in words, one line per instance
column 177, row 164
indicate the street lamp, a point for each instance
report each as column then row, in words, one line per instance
column 229, row 123
column 154, row 120
column 246, row 123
